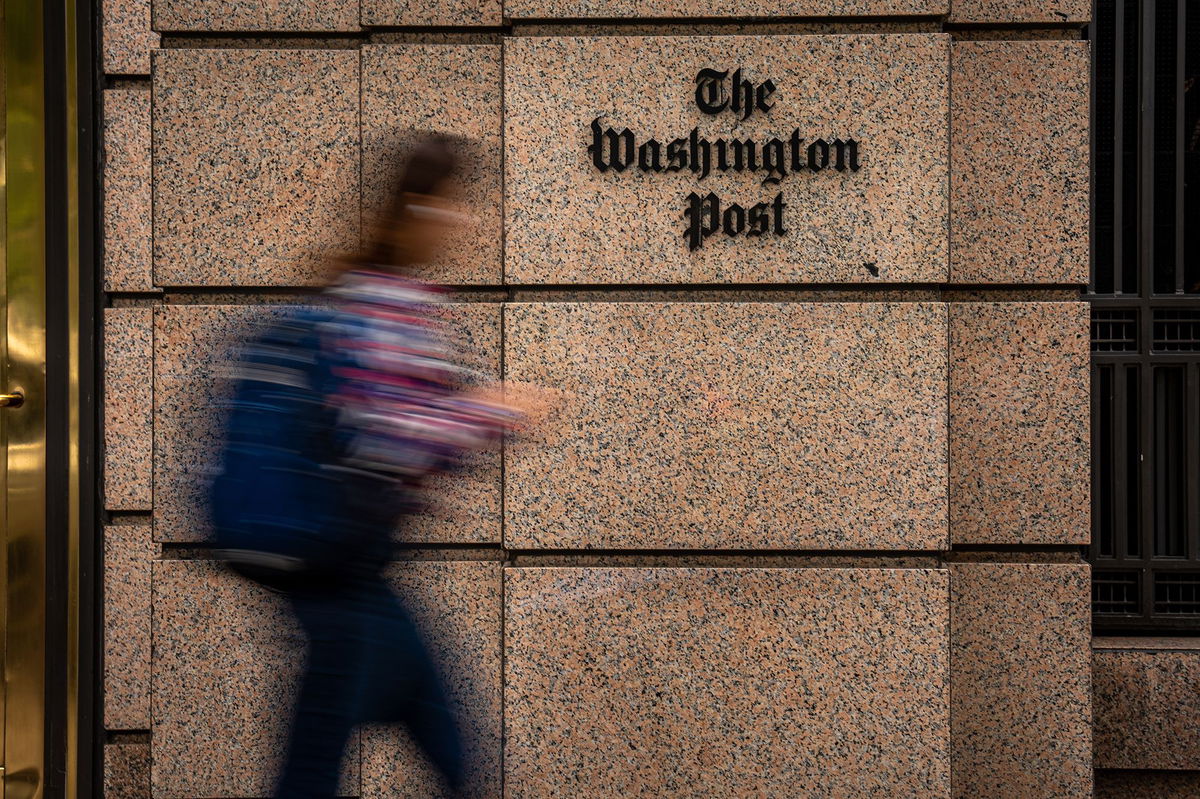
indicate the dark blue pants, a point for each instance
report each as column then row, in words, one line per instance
column 366, row 663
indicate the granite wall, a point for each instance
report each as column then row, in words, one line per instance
column 1147, row 692
column 809, row 523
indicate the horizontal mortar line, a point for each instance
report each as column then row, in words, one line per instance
column 727, row 561
column 910, row 559
column 859, row 287
column 626, row 288
column 1071, row 555
column 283, row 36
column 375, row 30
column 207, row 550
column 1048, row 548
column 509, row 293
column 1063, row 25
column 341, row 40
column 149, row 294
column 1016, row 559
column 726, row 553
column 125, row 82
column 126, row 516
column 1017, row 35
column 738, row 20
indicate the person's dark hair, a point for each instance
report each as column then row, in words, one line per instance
column 427, row 169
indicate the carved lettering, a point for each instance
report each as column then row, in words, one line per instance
column 706, row 215
column 775, row 158
column 741, row 96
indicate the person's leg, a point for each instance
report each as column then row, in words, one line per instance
column 404, row 685
column 433, row 725
column 328, row 701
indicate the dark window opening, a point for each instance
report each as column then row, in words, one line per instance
column 1145, row 293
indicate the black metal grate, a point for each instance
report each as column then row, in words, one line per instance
column 1114, row 330
column 1145, row 293
column 1177, row 593
column 1115, row 593
column 1177, row 330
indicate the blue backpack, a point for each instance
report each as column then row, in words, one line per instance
column 284, row 512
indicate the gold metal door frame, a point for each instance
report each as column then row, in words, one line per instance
column 39, row 737
column 24, row 427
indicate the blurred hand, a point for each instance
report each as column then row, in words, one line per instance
column 535, row 402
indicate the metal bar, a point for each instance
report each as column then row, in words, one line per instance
column 1191, row 474
column 1101, row 487
column 1147, row 598
column 1146, row 150
column 74, row 396
column 1145, row 278
column 1118, row 211
column 1180, row 145
column 1145, row 458
column 89, row 738
column 1116, row 488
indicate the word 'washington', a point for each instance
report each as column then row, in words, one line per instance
column 775, row 158
column 619, row 151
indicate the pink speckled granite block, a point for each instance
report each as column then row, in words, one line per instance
column 1019, row 423
column 1019, row 155
column 256, row 15
column 128, row 553
column 730, row 426
column 128, row 39
column 723, row 683
column 452, row 89
column 128, row 407
column 1146, row 709
column 1020, row 712
column 1002, row 11
column 443, row 12
column 226, row 666
column 457, row 605
column 193, row 346
column 464, row 506
column 127, row 203
column 621, row 9
column 1147, row 785
column 569, row 222
column 256, row 165
column 127, row 771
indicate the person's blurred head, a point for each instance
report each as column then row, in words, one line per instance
column 416, row 215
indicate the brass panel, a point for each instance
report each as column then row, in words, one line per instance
column 23, row 369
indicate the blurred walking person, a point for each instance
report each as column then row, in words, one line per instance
column 339, row 414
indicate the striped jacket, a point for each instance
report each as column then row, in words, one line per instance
column 398, row 381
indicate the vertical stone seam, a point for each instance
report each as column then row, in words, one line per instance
column 948, row 542
column 503, row 496
column 503, row 169
column 361, row 69
column 153, row 187
column 504, row 306
column 153, row 420
column 950, row 672
column 950, row 48
column 155, row 314
column 153, row 661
